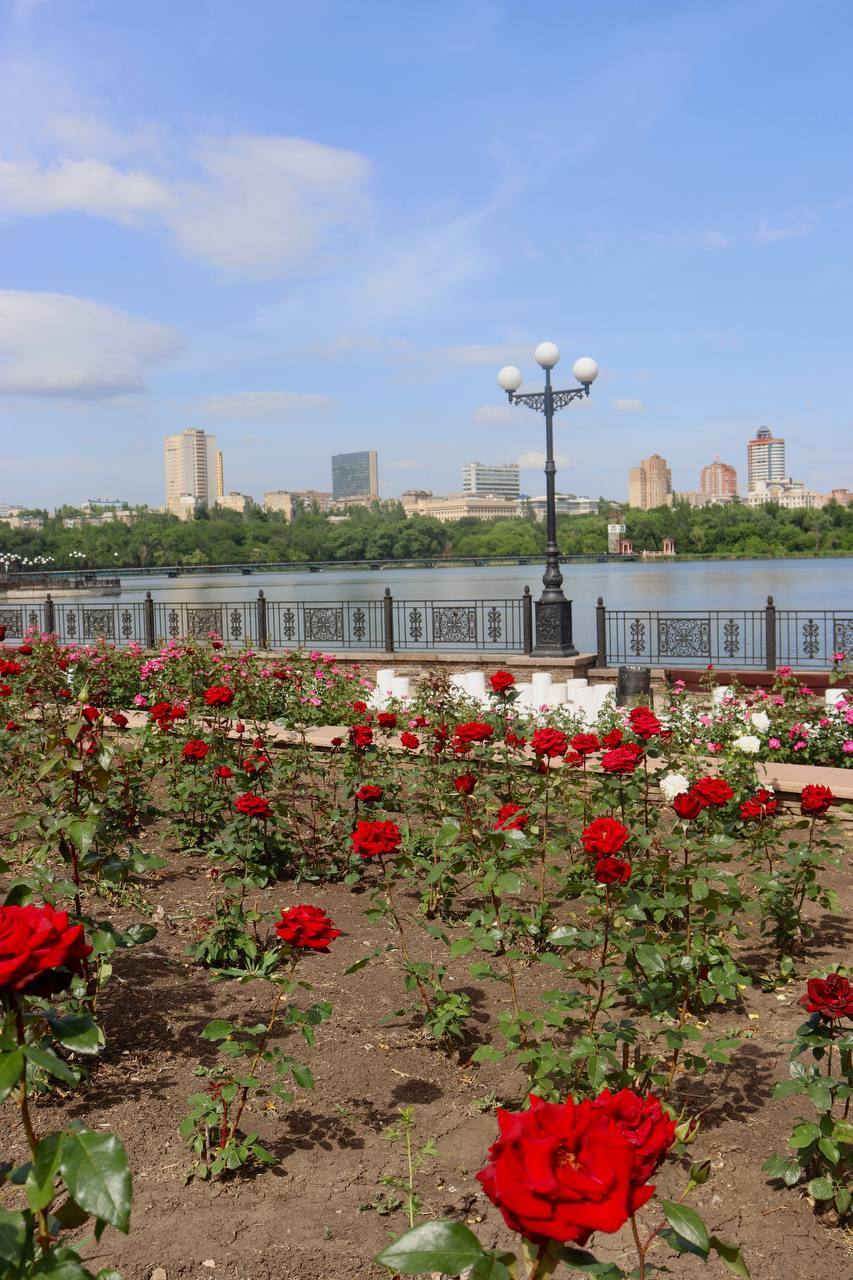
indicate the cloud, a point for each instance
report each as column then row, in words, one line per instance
column 262, row 404
column 476, row 355
column 534, row 460
column 495, row 415
column 52, row 344
column 794, row 228
column 628, row 405
column 259, row 205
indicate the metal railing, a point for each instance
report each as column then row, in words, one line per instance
column 764, row 638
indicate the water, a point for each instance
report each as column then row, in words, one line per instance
column 707, row 584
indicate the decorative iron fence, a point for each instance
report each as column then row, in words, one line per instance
column 767, row 637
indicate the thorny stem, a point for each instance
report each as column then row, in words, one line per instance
column 32, row 1141
column 641, row 1249
column 244, row 1093
column 403, row 944
column 603, row 983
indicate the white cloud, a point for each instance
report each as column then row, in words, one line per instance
column 792, row 229
column 52, row 344
column 495, row 415
column 81, row 186
column 535, row 460
column 628, row 405
column 262, row 404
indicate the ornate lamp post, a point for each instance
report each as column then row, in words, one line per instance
column 553, row 610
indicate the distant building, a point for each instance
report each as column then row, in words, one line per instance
column 460, row 506
column 566, row 504
column 650, row 484
column 792, row 494
column 485, row 480
column 235, row 501
column 193, row 467
column 282, row 501
column 765, row 459
column 23, row 522
column 718, row 480
column 355, row 475
column 313, row 499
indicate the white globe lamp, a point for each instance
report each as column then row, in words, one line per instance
column 585, row 370
column 510, row 378
column 547, row 354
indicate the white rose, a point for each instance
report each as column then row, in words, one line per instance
column 748, row 744
column 760, row 721
column 674, row 784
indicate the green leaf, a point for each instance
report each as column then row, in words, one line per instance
column 843, row 1199
column 50, row 1062
column 62, row 1264
column 11, row 1068
column 359, row 964
column 302, row 1075
column 42, row 1174
column 581, row 1260
column 828, row 1148
column 490, row 1267
column 434, row 1246
column 804, row 1135
column 731, row 1256
column 94, row 1169
column 650, row 959
column 687, row 1224
column 14, row 1234
column 137, row 934
column 77, row 1032
column 218, row 1029
column 820, row 1189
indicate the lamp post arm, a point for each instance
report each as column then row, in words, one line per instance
column 536, row 399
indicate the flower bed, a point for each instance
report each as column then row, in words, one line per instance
column 505, row 906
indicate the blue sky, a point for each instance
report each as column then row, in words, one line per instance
column 314, row 228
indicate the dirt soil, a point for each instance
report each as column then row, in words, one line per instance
column 309, row 1217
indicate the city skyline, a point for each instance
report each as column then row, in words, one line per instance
column 297, row 268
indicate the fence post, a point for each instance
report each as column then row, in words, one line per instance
column 770, row 635
column 527, row 623
column 600, row 633
column 49, row 615
column 388, row 620
column 262, row 620
column 148, row 618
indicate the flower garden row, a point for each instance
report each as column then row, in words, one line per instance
column 507, row 842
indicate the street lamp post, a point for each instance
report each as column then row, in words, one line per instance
column 553, row 610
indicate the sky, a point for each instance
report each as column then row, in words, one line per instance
column 319, row 228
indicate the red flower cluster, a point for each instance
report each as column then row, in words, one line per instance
column 610, row 870
column 368, row 793
column 815, row 800
column 612, row 739
column 253, row 806
column 386, row 720
column 372, row 839
column 515, row 740
column 164, row 714
column 585, row 744
column 760, row 806
column 359, row 707
column 510, row 818
column 501, row 681
column 706, row 793
column 465, row 735
column 195, row 749
column 622, row 760
column 644, row 722
column 306, row 928
column 218, row 695
column 831, row 997
column 9, row 667
column 549, row 743
column 34, row 940
column 221, row 772
column 604, row 836
column 562, row 1171
column 410, row 741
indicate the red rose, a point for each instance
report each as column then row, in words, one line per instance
column 217, row 644
column 9, row 667
column 253, row 806
column 240, row 727
column 361, row 736
column 222, row 772
column 11, row 726
column 306, row 928
column 647, row 1129
column 34, row 940
column 560, row 1172
column 410, row 741
column 514, row 740
column 369, row 793
column 713, row 792
column 178, row 711
column 644, row 723
column 6, row 690
column 119, row 719
column 256, row 762
column 474, row 731
column 622, row 759
column 420, row 722
column 604, row 835
column 195, row 749
column 510, row 818
column 687, row 805
column 90, row 714
column 612, row 871
column 760, row 806
column 372, row 839
column 218, row 696
column 549, row 743
column 501, row 681
column 386, row 720
column 26, row 648
column 359, row 707
column 831, row 997
column 336, row 742
column 465, row 783
column 573, row 760
column 586, row 744
column 612, row 739
column 815, row 799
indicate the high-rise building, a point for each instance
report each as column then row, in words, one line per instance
column 718, row 481
column 650, row 484
column 765, row 459
column 194, row 471
column 483, row 480
column 355, row 475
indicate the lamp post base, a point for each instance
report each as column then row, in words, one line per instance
column 554, row 629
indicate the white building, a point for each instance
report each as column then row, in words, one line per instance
column 460, row 506
column 482, row 480
column 765, row 459
column 193, row 466
column 566, row 504
column 234, row 501
column 792, row 494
